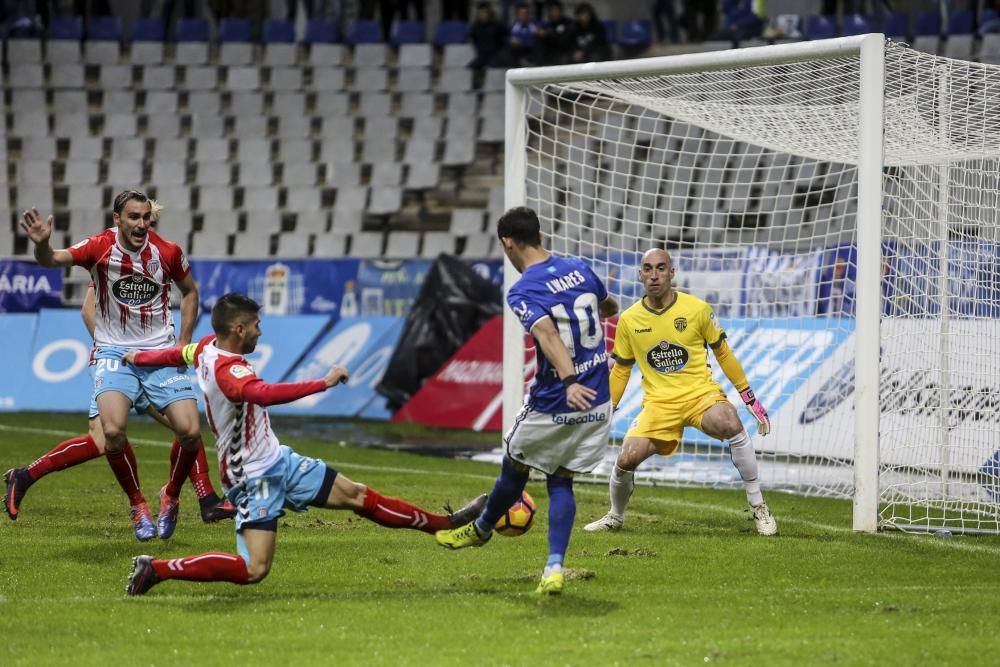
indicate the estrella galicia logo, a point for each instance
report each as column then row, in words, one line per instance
column 834, row 391
column 135, row 290
column 680, row 323
column 667, row 357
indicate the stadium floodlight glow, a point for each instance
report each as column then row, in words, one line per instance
column 838, row 202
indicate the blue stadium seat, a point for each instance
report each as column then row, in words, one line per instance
column 66, row 27
column 365, row 32
column 856, row 24
column 635, row 34
column 192, row 30
column 611, row 30
column 321, row 32
column 896, row 25
column 105, row 28
column 234, row 30
column 408, row 32
column 928, row 24
column 820, row 27
column 280, row 32
column 960, row 22
column 151, row 29
column 449, row 32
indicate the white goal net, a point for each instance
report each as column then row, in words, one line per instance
column 746, row 168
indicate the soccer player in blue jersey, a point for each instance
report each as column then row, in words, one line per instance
column 563, row 427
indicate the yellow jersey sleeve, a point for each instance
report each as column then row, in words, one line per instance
column 622, row 350
column 710, row 327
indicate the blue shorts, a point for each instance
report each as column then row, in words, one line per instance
column 140, row 405
column 294, row 481
column 161, row 386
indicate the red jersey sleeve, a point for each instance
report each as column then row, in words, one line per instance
column 232, row 374
column 175, row 261
column 240, row 384
column 88, row 251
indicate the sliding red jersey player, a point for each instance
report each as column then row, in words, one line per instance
column 263, row 477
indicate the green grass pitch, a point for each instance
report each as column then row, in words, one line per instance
column 685, row 582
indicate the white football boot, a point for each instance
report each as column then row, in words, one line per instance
column 607, row 523
column 762, row 518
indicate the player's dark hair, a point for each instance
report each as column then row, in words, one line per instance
column 125, row 196
column 520, row 224
column 229, row 309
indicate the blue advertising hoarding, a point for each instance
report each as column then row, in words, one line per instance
column 58, row 378
column 364, row 346
column 281, row 287
column 26, row 287
column 17, row 333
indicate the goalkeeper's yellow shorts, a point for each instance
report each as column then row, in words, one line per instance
column 664, row 423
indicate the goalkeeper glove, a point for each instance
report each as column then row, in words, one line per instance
column 756, row 408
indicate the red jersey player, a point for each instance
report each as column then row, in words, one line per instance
column 133, row 269
column 82, row 448
column 263, row 476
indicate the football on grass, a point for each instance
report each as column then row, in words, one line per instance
column 517, row 520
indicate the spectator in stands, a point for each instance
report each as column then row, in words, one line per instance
column 319, row 10
column 25, row 18
column 989, row 22
column 591, row 39
column 487, row 35
column 520, row 45
column 701, row 18
column 189, row 10
column 390, row 10
column 664, row 10
column 254, row 11
column 554, row 38
column 455, row 10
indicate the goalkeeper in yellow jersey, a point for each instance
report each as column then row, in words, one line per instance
column 667, row 333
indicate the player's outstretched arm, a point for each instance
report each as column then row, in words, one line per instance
column 256, row 391
column 734, row 371
column 577, row 395
column 39, row 231
column 182, row 355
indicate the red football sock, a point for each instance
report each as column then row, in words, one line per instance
column 199, row 477
column 126, row 471
column 397, row 513
column 66, row 454
column 180, row 468
column 199, row 474
column 212, row 566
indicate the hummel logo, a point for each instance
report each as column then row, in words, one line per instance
column 646, row 330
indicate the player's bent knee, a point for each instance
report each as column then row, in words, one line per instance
column 257, row 572
column 114, row 437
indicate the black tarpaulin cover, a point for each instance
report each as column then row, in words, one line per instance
column 454, row 303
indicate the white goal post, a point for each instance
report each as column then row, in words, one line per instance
column 837, row 203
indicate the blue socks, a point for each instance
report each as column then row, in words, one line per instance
column 562, row 512
column 506, row 490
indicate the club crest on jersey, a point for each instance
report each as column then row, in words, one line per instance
column 666, row 357
column 135, row 290
column 523, row 312
column 153, row 266
column 680, row 323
